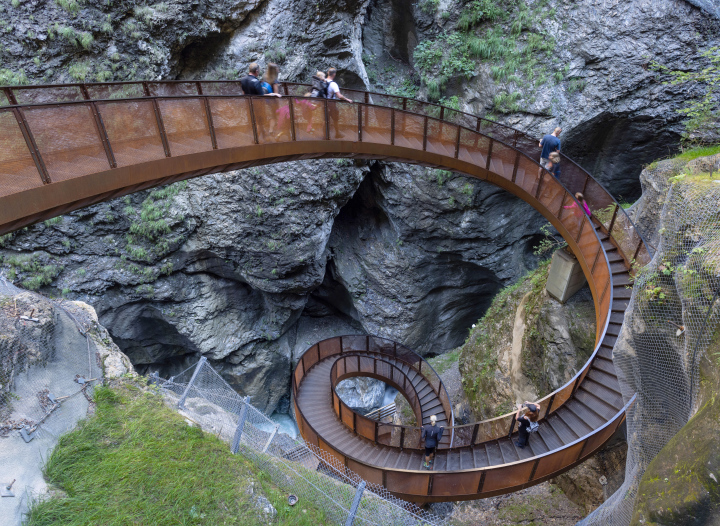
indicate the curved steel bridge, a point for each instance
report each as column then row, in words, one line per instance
column 63, row 147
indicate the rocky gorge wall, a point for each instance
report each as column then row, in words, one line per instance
column 252, row 267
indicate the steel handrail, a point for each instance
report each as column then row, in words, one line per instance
column 442, row 110
column 469, row 130
column 568, row 227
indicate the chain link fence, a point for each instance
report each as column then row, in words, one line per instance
column 673, row 315
column 301, row 469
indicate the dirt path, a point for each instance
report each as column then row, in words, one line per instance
column 519, row 384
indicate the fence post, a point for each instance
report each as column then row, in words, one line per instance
column 272, row 435
column 181, row 403
column 355, row 504
column 241, row 423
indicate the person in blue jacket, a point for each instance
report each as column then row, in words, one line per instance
column 550, row 143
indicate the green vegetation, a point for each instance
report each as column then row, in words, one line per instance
column 32, row 270
column 703, row 115
column 12, row 78
column 71, row 6
column 549, row 243
column 444, row 362
column 147, row 238
column 137, row 462
column 429, row 6
column 508, row 33
column 479, row 354
column 79, row 70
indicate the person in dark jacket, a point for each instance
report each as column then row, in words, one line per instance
column 250, row 83
column 431, row 434
column 523, row 420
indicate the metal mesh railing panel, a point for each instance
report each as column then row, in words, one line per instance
column 474, row 148
column 441, row 138
column 116, row 91
column 47, row 94
column 272, row 119
column 68, row 140
column 409, row 130
column 18, row 171
column 309, row 115
column 186, row 125
column 164, row 89
column 232, row 123
column 132, row 131
column 221, row 88
column 343, row 120
column 376, row 124
column 312, row 473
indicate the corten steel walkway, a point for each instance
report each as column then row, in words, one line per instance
column 63, row 147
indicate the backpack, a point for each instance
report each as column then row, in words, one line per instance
column 267, row 88
column 319, row 87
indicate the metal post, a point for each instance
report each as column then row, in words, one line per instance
column 241, row 423
column 272, row 435
column 31, row 145
column 103, row 134
column 181, row 403
column 489, row 155
column 612, row 221
column 355, row 504
column 252, row 120
column 327, row 121
column 425, row 132
column 392, row 126
column 211, row 126
column 161, row 127
column 292, row 115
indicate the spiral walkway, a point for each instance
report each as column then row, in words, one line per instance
column 63, row 147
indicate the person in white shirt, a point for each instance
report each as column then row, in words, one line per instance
column 333, row 92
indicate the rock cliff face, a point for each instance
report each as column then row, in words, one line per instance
column 525, row 346
column 251, row 268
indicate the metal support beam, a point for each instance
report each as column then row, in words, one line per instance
column 272, row 435
column 355, row 504
column 181, row 403
column 239, row 429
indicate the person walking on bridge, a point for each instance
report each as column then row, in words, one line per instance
column 250, row 83
column 431, row 434
column 527, row 423
column 333, row 92
column 550, row 143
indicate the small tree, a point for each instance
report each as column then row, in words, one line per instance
column 703, row 114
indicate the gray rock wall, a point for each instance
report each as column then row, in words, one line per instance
column 251, row 268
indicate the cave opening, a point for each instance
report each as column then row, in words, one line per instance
column 615, row 148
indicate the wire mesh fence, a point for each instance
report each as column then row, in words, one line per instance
column 299, row 468
column 48, row 363
column 673, row 315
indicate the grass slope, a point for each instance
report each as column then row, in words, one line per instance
column 135, row 461
column 479, row 354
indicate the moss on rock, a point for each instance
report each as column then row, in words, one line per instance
column 680, row 486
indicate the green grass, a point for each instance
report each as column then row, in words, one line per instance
column 443, row 362
column 689, row 155
column 135, row 461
